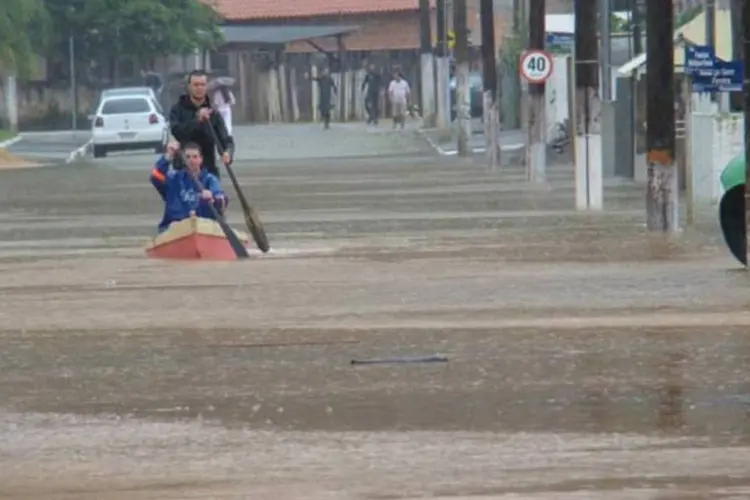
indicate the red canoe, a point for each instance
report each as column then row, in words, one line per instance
column 193, row 238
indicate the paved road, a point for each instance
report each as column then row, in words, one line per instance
column 587, row 360
column 49, row 147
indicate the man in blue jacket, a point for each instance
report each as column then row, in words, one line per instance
column 189, row 190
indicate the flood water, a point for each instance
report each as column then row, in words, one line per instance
column 586, row 360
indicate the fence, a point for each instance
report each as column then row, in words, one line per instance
column 714, row 139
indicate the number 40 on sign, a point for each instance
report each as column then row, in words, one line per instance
column 536, row 66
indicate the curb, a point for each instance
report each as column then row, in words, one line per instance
column 508, row 148
column 8, row 143
column 76, row 154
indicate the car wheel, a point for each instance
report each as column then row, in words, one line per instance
column 100, row 151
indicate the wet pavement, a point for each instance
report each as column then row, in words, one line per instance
column 49, row 147
column 587, row 359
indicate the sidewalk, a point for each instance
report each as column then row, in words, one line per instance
column 310, row 141
column 444, row 142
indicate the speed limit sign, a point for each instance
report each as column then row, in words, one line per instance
column 536, row 66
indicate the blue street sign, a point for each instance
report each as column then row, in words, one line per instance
column 700, row 60
column 709, row 74
column 559, row 42
column 728, row 76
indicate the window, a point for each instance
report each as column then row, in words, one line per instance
column 125, row 106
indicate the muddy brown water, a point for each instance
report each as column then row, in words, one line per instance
column 587, row 360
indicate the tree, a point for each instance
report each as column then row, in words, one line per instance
column 108, row 31
column 23, row 24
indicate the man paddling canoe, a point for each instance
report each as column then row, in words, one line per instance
column 188, row 190
column 191, row 117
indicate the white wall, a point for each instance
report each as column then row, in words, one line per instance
column 714, row 140
column 556, row 94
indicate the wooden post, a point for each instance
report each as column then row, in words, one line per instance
column 588, row 139
column 491, row 103
column 461, row 53
column 314, row 93
column 293, row 87
column 342, row 78
column 536, row 144
column 244, row 95
column 284, row 101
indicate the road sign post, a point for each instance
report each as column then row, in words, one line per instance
column 536, row 66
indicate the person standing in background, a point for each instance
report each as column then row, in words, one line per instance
column 223, row 100
column 154, row 81
column 399, row 94
column 371, row 87
column 326, row 90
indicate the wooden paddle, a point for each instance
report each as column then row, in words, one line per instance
column 239, row 249
column 251, row 217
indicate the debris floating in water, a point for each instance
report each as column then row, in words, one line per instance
column 401, row 360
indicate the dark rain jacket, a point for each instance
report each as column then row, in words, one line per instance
column 183, row 121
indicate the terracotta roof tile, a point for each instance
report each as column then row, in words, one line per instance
column 244, row 10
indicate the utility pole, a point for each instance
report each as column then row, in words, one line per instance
column 745, row 58
column 536, row 116
column 442, row 67
column 605, row 25
column 427, row 65
column 608, row 122
column 710, row 19
column 73, row 83
column 662, row 209
column 636, row 16
column 588, row 140
column 461, row 53
column 489, row 65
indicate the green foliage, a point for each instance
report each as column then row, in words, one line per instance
column 138, row 30
column 23, row 26
column 511, row 50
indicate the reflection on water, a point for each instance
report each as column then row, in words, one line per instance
column 671, row 392
column 616, row 381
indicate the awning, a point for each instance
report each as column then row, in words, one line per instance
column 280, row 34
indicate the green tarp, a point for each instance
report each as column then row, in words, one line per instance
column 734, row 173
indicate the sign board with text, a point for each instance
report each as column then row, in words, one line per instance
column 710, row 74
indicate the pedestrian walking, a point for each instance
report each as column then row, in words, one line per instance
column 154, row 81
column 371, row 86
column 223, row 100
column 399, row 94
column 326, row 92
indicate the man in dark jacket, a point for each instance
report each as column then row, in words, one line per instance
column 192, row 118
column 371, row 87
column 326, row 91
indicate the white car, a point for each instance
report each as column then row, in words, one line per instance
column 128, row 122
column 126, row 91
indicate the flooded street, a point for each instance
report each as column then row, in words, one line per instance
column 586, row 360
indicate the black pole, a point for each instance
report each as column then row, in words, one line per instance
column 440, row 47
column 489, row 66
column 425, row 36
column 661, row 197
column 636, row 16
column 486, row 14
